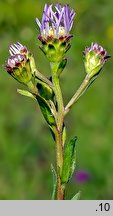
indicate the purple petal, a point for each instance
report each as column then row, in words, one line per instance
column 38, row 23
column 61, row 17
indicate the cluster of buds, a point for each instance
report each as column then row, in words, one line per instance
column 20, row 64
column 55, row 27
column 55, row 31
column 94, row 59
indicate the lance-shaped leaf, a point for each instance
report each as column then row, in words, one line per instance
column 52, row 131
column 77, row 196
column 46, row 111
column 64, row 135
column 69, row 160
column 44, row 90
column 26, row 93
column 54, row 182
column 62, row 66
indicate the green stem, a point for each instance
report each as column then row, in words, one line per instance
column 58, row 94
column 59, row 163
column 43, row 78
column 78, row 93
column 58, row 129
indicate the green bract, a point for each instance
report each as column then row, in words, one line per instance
column 55, row 49
column 94, row 59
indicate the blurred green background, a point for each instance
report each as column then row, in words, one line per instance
column 26, row 146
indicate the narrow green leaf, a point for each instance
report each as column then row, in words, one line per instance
column 64, row 135
column 44, row 90
column 26, row 93
column 73, row 162
column 69, row 160
column 54, row 182
column 77, row 196
column 62, row 66
column 52, row 131
column 46, row 111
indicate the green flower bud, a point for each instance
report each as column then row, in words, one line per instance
column 20, row 64
column 94, row 59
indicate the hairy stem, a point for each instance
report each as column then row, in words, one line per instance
column 58, row 94
column 59, row 163
column 58, row 129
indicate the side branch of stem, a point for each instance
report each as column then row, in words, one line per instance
column 78, row 93
column 43, row 78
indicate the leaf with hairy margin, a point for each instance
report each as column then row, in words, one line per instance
column 69, row 162
column 26, row 93
column 54, row 182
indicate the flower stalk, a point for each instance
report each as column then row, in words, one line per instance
column 59, row 163
column 43, row 78
column 83, row 87
column 58, row 94
column 59, row 127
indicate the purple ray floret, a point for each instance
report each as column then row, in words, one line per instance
column 98, row 51
column 18, row 54
column 57, row 21
column 95, row 57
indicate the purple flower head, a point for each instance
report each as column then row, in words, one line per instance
column 56, row 22
column 55, row 30
column 18, row 56
column 95, row 57
column 19, row 63
column 82, row 176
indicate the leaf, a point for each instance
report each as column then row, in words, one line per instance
column 73, row 162
column 64, row 135
column 46, row 111
column 69, row 160
column 62, row 66
column 44, row 90
column 26, row 93
column 77, row 196
column 52, row 131
column 54, row 182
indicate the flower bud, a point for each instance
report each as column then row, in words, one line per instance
column 95, row 57
column 20, row 64
column 55, row 31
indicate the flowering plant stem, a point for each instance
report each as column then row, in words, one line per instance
column 59, row 163
column 78, row 93
column 56, row 40
column 59, row 128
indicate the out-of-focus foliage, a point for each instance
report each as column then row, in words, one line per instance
column 26, row 146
